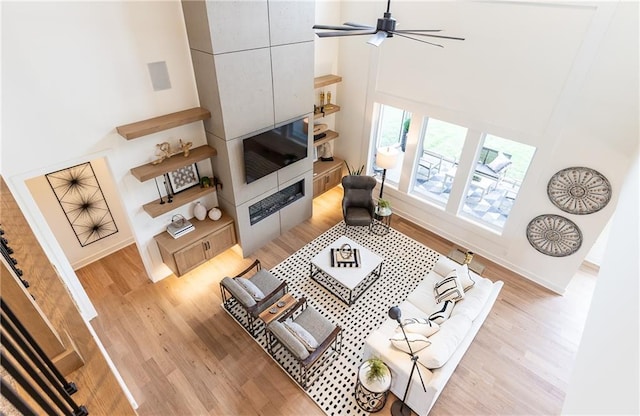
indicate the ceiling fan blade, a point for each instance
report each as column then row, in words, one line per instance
column 357, row 25
column 420, row 30
column 416, row 39
column 332, row 27
column 378, row 38
column 409, row 32
column 345, row 33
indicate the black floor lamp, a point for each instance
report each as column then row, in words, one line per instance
column 386, row 158
column 399, row 408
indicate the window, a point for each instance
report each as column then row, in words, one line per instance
column 391, row 131
column 494, row 183
column 437, row 158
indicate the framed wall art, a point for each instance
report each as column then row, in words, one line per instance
column 81, row 198
column 184, row 178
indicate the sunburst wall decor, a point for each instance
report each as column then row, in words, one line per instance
column 81, row 198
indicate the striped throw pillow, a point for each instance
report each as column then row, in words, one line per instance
column 443, row 313
column 449, row 288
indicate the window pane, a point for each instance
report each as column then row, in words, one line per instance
column 393, row 125
column 439, row 152
column 494, row 185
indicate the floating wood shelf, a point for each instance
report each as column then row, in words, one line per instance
column 150, row 171
column 323, row 81
column 327, row 110
column 330, row 135
column 155, row 208
column 168, row 121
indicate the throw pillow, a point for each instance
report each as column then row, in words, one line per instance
column 422, row 326
column 252, row 289
column 417, row 342
column 302, row 335
column 443, row 313
column 465, row 277
column 499, row 163
column 449, row 288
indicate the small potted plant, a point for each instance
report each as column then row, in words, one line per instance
column 374, row 374
column 384, row 207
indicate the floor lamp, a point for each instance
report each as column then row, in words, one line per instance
column 386, row 158
column 399, row 408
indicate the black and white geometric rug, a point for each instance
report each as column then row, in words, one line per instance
column 406, row 263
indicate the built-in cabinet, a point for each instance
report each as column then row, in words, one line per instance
column 326, row 174
column 208, row 239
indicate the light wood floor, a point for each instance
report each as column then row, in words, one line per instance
column 181, row 354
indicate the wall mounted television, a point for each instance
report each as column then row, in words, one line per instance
column 267, row 152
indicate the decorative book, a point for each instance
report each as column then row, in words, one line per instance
column 345, row 258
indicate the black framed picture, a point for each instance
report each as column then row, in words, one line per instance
column 184, row 178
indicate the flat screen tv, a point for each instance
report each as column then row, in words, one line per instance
column 267, row 152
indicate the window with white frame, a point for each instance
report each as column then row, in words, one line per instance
column 438, row 154
column 495, row 180
column 390, row 134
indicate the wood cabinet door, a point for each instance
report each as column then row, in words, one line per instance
column 219, row 241
column 334, row 178
column 191, row 256
column 318, row 185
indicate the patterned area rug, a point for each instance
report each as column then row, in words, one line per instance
column 406, row 263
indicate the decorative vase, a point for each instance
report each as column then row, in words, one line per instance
column 215, row 214
column 199, row 211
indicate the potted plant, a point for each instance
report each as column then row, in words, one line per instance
column 384, row 206
column 353, row 170
column 374, row 375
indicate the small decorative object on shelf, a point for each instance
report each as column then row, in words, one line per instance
column 164, row 149
column 199, row 211
column 179, row 226
column 205, row 182
column 345, row 251
column 185, row 147
column 215, row 214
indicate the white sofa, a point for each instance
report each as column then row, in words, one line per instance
column 448, row 345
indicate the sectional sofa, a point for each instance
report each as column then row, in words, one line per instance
column 438, row 360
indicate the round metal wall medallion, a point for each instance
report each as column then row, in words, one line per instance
column 579, row 190
column 554, row 235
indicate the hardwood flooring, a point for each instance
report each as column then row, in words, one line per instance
column 181, row 354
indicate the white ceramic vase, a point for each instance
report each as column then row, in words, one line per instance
column 215, row 214
column 200, row 211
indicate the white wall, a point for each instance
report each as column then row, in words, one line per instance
column 72, row 72
column 562, row 77
column 605, row 378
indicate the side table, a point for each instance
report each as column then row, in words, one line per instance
column 371, row 396
column 382, row 221
column 276, row 310
column 457, row 254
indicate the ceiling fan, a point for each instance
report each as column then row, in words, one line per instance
column 385, row 28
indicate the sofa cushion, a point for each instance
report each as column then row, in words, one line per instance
column 252, row 289
column 302, row 335
column 442, row 314
column 474, row 299
column 422, row 326
column 449, row 288
column 444, row 265
column 445, row 342
column 465, row 277
column 417, row 341
column 422, row 296
column 499, row 163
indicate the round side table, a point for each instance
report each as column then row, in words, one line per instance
column 382, row 221
column 371, row 396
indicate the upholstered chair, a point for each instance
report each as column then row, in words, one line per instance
column 357, row 203
column 248, row 294
column 306, row 336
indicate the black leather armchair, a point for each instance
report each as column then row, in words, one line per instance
column 357, row 203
